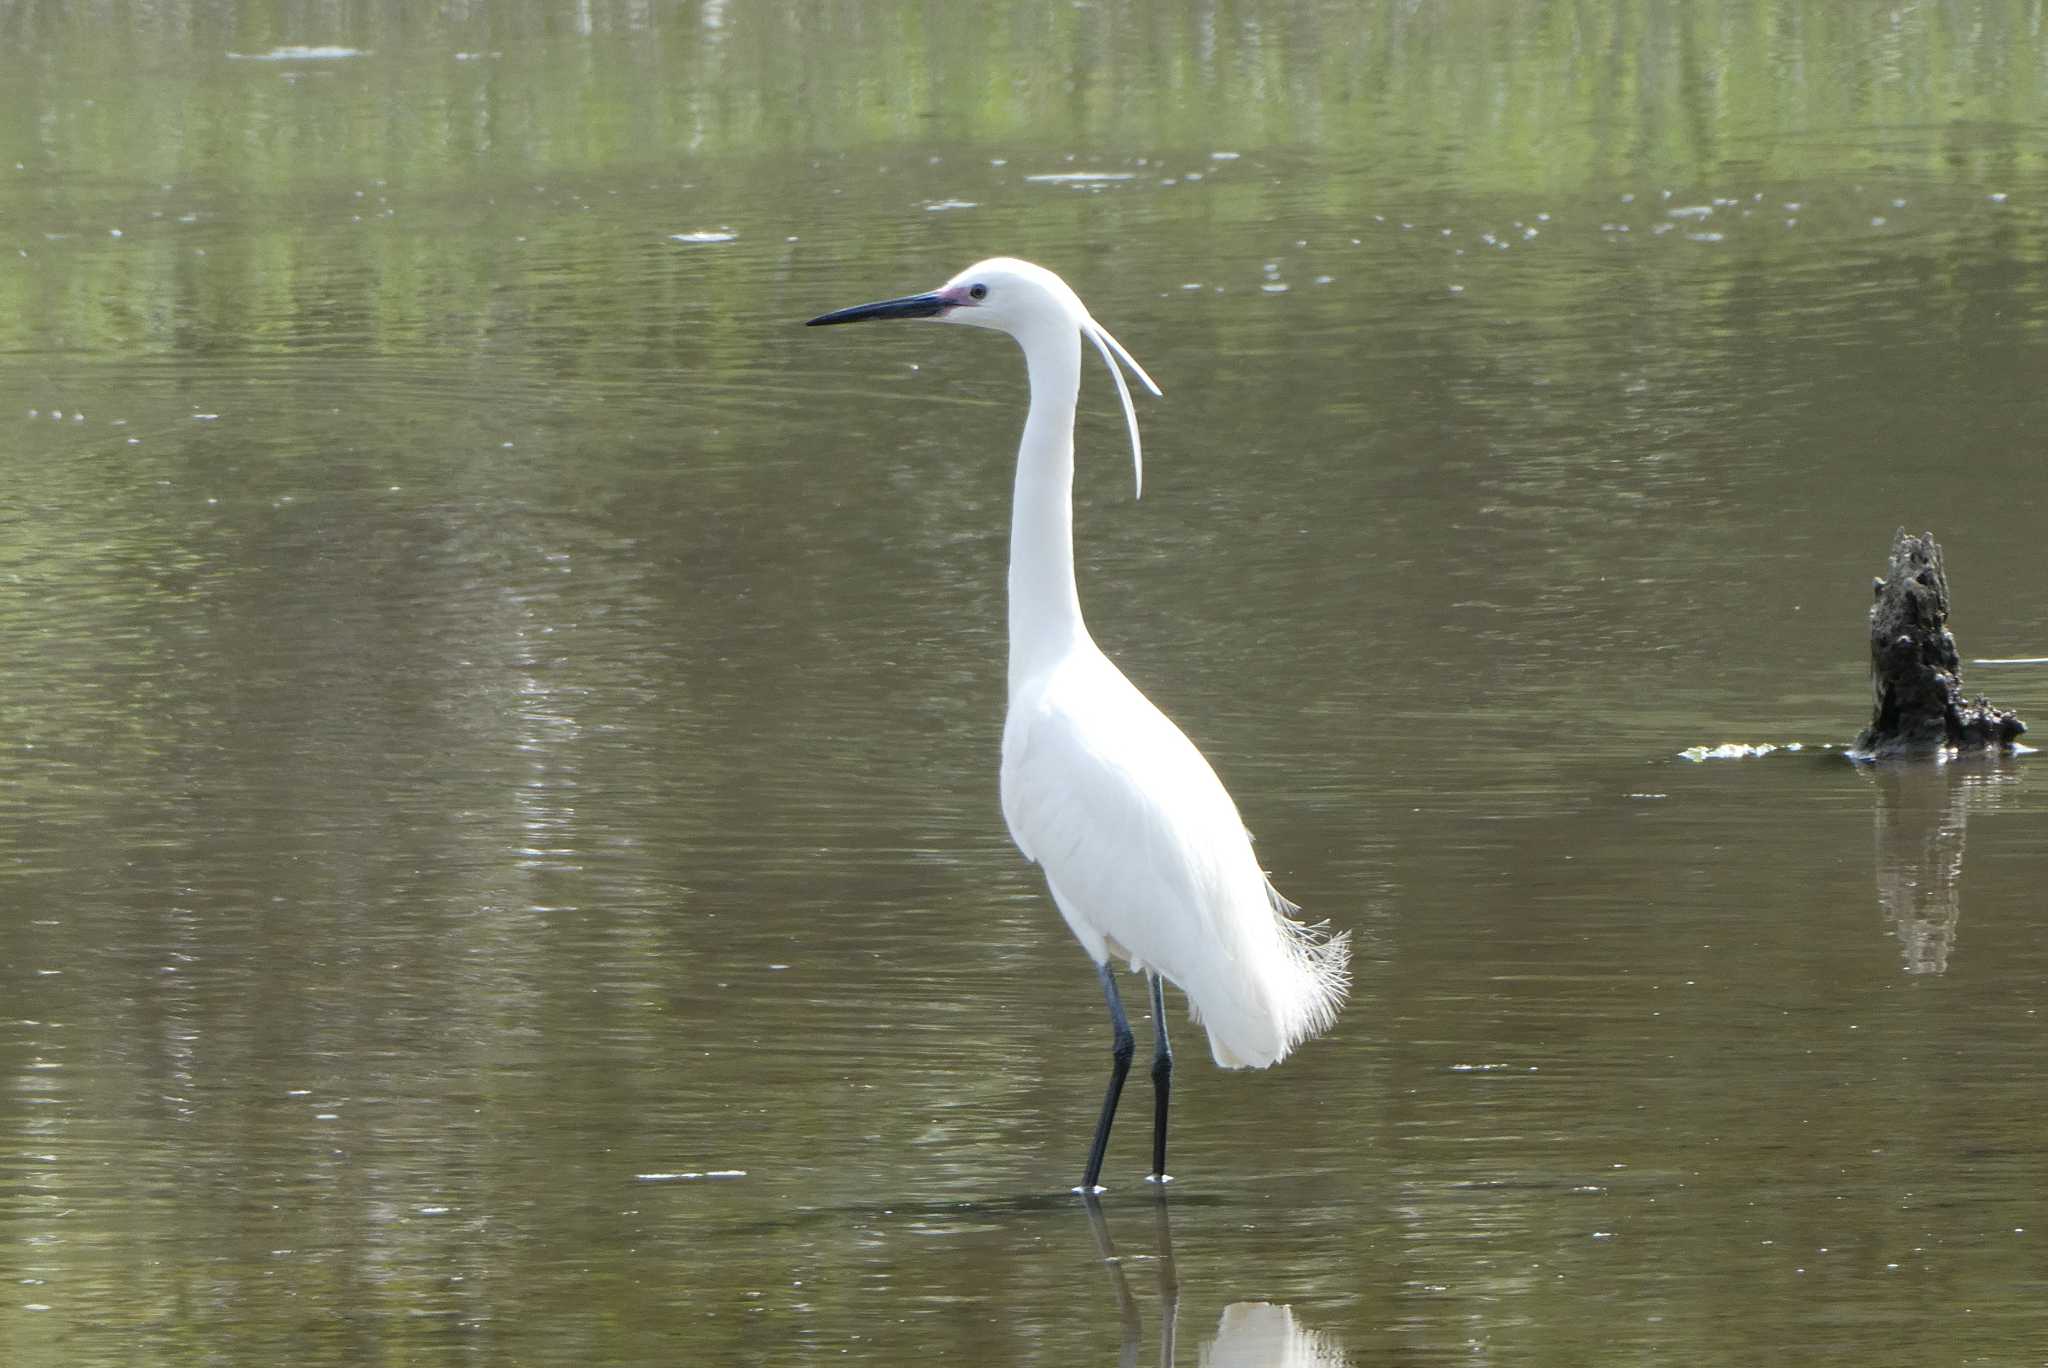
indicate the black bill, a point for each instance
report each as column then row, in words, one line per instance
column 910, row 306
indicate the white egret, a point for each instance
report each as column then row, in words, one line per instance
column 1143, row 850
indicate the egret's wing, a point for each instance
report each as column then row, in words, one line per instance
column 1135, row 833
column 1148, row 859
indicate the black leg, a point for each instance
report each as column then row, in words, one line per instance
column 1120, row 1065
column 1162, row 1080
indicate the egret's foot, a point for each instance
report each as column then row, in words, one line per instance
column 1095, row 1191
column 1160, row 1178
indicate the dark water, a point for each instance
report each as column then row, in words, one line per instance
column 499, row 851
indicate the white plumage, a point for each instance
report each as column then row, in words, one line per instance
column 1143, row 849
column 1149, row 861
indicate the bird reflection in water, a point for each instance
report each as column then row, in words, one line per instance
column 1265, row 1335
column 1920, row 819
column 1249, row 1334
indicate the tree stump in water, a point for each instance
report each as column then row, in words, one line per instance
column 1916, row 673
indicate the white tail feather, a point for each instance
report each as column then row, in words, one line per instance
column 1321, row 965
column 1284, row 985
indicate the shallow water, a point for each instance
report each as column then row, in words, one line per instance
column 499, row 852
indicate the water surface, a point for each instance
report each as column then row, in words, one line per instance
column 499, row 848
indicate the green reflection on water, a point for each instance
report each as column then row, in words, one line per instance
column 386, row 200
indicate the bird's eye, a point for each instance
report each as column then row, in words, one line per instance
column 977, row 292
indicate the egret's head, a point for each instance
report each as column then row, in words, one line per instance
column 1026, row 301
column 1013, row 296
column 1003, row 293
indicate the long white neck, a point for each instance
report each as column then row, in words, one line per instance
column 1045, row 606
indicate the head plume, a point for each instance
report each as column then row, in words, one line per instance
column 994, row 307
column 1112, row 352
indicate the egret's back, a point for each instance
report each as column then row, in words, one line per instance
column 1149, row 861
